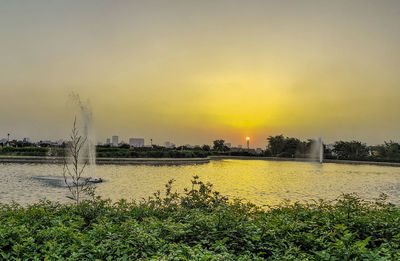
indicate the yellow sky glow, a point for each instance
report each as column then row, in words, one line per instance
column 196, row 71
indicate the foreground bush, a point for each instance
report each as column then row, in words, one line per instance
column 200, row 225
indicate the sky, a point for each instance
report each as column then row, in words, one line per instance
column 195, row 71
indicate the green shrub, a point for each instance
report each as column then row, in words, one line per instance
column 200, row 224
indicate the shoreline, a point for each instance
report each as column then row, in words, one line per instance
column 181, row 161
column 106, row 161
column 351, row 162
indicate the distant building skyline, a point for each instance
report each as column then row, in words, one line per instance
column 142, row 142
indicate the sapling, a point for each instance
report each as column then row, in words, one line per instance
column 74, row 166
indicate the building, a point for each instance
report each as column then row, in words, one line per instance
column 169, row 145
column 239, row 146
column 108, row 141
column 229, row 145
column 136, row 142
column 115, row 141
column 26, row 140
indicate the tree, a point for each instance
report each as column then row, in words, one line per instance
column 290, row 147
column 388, row 151
column 206, row 148
column 392, row 150
column 276, row 144
column 197, row 147
column 124, row 146
column 279, row 146
column 354, row 150
column 218, row 145
column 74, row 166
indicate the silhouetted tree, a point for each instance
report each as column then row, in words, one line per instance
column 353, row 150
column 276, row 144
column 124, row 146
column 279, row 146
column 389, row 151
column 206, row 148
column 290, row 147
column 219, row 145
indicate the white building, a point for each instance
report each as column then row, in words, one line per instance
column 115, row 141
column 136, row 142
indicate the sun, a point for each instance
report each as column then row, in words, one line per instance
column 247, row 138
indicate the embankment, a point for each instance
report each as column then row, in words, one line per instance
column 117, row 161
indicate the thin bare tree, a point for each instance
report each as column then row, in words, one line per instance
column 74, row 165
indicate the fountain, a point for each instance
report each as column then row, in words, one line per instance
column 88, row 131
column 321, row 150
column 317, row 150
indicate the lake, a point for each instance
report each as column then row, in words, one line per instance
column 261, row 182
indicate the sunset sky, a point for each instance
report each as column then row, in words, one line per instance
column 196, row 71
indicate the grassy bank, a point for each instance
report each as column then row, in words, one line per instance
column 24, row 151
column 115, row 152
column 200, row 225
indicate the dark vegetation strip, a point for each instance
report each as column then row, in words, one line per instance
column 278, row 147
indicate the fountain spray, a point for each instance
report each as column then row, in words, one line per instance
column 86, row 116
column 317, row 150
column 321, row 150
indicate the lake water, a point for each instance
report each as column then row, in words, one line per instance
column 261, row 182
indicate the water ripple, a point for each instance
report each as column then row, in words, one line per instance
column 261, row 182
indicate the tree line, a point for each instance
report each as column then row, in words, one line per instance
column 280, row 146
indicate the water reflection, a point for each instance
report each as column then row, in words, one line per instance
column 261, row 182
